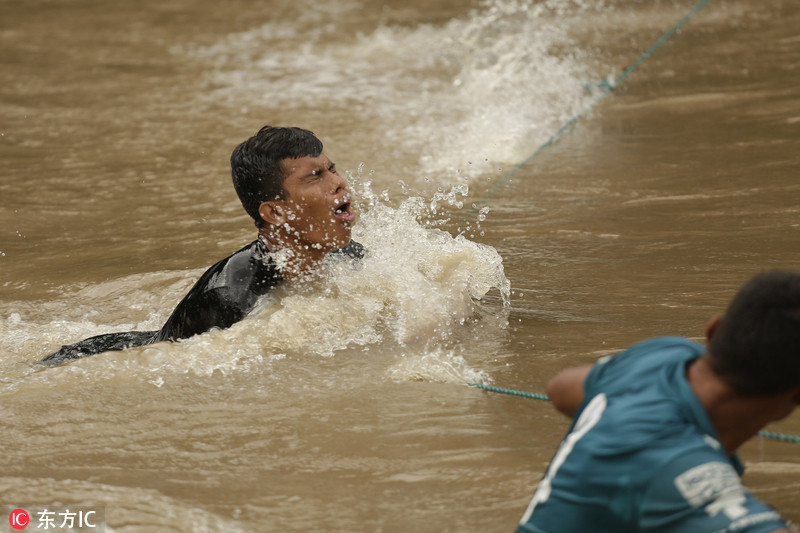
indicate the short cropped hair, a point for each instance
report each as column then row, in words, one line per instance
column 756, row 346
column 256, row 168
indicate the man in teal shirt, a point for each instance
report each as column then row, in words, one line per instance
column 652, row 447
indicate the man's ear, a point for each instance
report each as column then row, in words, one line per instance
column 712, row 327
column 273, row 212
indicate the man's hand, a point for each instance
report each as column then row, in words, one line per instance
column 566, row 389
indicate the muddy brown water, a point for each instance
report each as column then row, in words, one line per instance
column 118, row 119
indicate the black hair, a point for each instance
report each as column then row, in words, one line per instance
column 256, row 167
column 756, row 346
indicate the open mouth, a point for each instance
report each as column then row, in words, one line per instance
column 343, row 212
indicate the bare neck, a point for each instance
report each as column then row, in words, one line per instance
column 736, row 418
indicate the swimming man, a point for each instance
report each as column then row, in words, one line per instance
column 301, row 207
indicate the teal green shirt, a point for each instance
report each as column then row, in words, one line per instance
column 642, row 455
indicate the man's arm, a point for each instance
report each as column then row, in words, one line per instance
column 566, row 389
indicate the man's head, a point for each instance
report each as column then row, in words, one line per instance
column 257, row 165
column 292, row 190
column 755, row 348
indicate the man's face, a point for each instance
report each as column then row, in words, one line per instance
column 318, row 204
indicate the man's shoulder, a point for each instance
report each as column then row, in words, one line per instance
column 647, row 404
column 243, row 254
column 666, row 347
column 225, row 292
column 642, row 358
column 246, row 268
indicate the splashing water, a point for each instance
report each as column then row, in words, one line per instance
column 414, row 289
column 413, row 297
column 468, row 95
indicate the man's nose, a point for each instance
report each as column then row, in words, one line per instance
column 337, row 183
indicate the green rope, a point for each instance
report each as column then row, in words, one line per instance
column 606, row 87
column 783, row 437
column 650, row 51
column 500, row 390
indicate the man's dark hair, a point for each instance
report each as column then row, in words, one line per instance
column 756, row 347
column 256, row 167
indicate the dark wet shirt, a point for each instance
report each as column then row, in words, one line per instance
column 224, row 295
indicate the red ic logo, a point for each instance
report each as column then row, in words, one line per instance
column 19, row 519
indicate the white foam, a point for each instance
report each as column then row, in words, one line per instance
column 472, row 95
column 415, row 292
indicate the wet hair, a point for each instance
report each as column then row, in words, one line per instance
column 756, row 346
column 256, row 168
